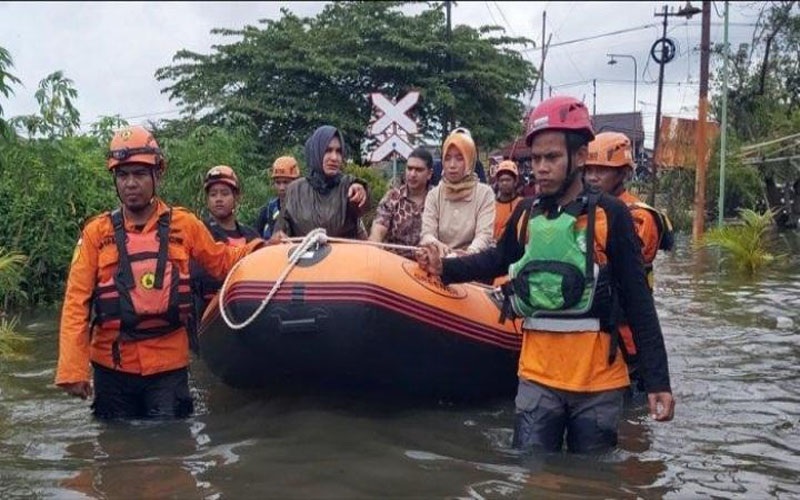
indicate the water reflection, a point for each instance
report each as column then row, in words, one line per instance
column 734, row 348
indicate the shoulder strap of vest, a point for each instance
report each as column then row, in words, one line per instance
column 591, row 206
column 124, row 271
column 216, row 230
column 164, row 221
column 663, row 224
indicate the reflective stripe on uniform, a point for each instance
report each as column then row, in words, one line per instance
column 561, row 324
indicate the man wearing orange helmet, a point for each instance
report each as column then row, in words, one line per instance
column 284, row 171
column 507, row 196
column 130, row 274
column 608, row 166
column 571, row 254
column 222, row 197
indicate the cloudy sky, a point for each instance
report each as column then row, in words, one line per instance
column 112, row 50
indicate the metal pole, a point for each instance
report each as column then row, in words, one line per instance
column 448, row 117
column 541, row 67
column 635, row 79
column 701, row 161
column 724, row 132
column 594, row 97
column 654, row 187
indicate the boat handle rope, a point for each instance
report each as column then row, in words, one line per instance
column 317, row 236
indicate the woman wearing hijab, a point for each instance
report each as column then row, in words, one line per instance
column 459, row 212
column 326, row 197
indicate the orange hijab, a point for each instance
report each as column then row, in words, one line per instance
column 465, row 187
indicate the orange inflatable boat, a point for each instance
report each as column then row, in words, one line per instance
column 354, row 317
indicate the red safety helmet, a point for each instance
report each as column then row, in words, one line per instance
column 559, row 113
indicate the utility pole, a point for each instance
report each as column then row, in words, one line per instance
column 654, row 186
column 724, row 132
column 594, row 97
column 446, row 125
column 667, row 54
column 701, row 161
column 544, row 53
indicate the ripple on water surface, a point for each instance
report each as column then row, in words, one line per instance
column 735, row 368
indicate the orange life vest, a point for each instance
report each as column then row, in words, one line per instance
column 147, row 296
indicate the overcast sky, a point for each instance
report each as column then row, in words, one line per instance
column 112, row 50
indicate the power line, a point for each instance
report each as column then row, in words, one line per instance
column 627, row 30
column 502, row 14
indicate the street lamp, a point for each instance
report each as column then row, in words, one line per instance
column 612, row 62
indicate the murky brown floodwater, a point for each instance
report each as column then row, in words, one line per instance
column 735, row 357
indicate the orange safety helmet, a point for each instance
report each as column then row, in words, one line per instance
column 610, row 149
column 223, row 174
column 134, row 145
column 285, row 167
column 507, row 166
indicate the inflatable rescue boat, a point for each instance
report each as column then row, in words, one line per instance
column 355, row 318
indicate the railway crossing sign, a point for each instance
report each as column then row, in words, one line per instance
column 392, row 125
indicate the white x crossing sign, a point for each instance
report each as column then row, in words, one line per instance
column 394, row 114
column 392, row 125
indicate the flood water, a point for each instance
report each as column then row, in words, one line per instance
column 734, row 348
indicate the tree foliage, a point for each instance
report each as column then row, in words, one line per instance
column 763, row 104
column 57, row 115
column 293, row 74
column 6, row 81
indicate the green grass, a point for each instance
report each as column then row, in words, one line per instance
column 745, row 245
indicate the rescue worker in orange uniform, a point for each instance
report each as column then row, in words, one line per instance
column 571, row 254
column 609, row 164
column 284, row 170
column 128, row 298
column 222, row 198
column 507, row 199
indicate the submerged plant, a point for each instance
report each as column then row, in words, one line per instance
column 12, row 344
column 11, row 267
column 745, row 244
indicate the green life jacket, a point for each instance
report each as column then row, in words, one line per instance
column 556, row 286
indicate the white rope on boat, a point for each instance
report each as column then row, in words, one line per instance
column 317, row 236
column 379, row 244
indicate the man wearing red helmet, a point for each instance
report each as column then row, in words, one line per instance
column 573, row 260
column 130, row 275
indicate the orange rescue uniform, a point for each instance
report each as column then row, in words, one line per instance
column 95, row 260
column 575, row 361
column 502, row 213
column 647, row 230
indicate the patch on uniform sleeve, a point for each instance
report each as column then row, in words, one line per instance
column 77, row 252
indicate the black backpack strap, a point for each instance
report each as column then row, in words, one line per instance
column 591, row 208
column 506, row 309
column 124, row 271
column 613, row 325
column 163, row 247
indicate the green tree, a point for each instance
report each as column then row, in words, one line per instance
column 6, row 80
column 293, row 74
column 105, row 126
column 763, row 104
column 57, row 116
